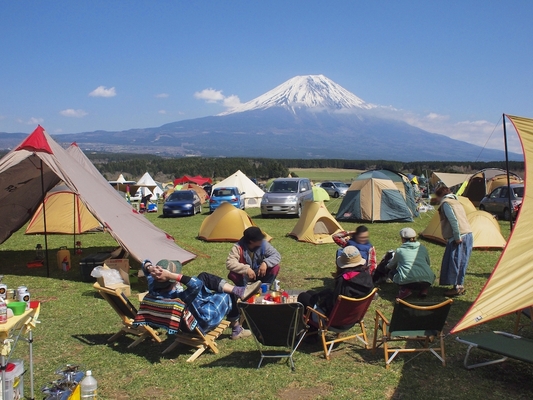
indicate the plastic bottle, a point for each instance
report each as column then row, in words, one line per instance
column 88, row 387
column 3, row 312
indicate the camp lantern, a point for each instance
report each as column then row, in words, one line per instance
column 78, row 249
column 39, row 252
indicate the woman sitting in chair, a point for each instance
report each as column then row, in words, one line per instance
column 360, row 238
column 411, row 266
column 352, row 279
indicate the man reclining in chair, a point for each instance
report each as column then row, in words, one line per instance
column 208, row 297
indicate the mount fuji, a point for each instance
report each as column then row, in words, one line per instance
column 305, row 117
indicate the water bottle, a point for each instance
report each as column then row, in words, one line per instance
column 88, row 387
column 3, row 312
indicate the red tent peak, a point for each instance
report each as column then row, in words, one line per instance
column 36, row 142
column 74, row 144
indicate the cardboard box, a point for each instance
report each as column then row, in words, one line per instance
column 123, row 269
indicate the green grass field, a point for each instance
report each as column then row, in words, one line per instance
column 76, row 324
column 327, row 174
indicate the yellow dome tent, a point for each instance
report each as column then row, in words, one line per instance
column 485, row 228
column 226, row 224
column 65, row 214
column 316, row 224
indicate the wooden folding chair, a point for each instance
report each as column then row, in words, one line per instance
column 199, row 340
column 418, row 322
column 347, row 312
column 526, row 312
column 275, row 325
column 127, row 313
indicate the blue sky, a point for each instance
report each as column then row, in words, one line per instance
column 452, row 67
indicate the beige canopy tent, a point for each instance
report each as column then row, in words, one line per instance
column 509, row 287
column 316, row 224
column 252, row 193
column 449, row 179
column 29, row 171
column 226, row 224
column 65, row 214
column 485, row 228
column 485, row 181
column 202, row 194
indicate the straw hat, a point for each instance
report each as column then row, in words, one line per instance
column 350, row 258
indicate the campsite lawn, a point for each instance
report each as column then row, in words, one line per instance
column 76, row 324
column 327, row 174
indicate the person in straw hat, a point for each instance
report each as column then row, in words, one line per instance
column 352, row 279
column 410, row 266
column 208, row 297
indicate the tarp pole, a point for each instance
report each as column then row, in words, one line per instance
column 43, row 193
column 74, row 222
column 510, row 204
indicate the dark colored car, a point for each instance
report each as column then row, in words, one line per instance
column 497, row 202
column 182, row 202
column 226, row 195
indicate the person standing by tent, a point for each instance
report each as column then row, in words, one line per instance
column 253, row 259
column 360, row 238
column 457, row 232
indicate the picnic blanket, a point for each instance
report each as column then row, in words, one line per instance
column 167, row 314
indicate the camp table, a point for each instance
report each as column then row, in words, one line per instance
column 502, row 343
column 10, row 333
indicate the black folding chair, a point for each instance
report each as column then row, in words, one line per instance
column 276, row 325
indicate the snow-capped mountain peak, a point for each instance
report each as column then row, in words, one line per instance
column 306, row 91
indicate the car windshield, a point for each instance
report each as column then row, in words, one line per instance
column 340, row 184
column 223, row 192
column 177, row 196
column 519, row 191
column 284, row 187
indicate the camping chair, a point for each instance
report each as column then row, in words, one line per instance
column 346, row 313
column 275, row 325
column 528, row 313
column 502, row 343
column 127, row 313
column 172, row 316
column 420, row 322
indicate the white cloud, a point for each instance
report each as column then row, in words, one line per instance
column 31, row 121
column 102, row 91
column 216, row 96
column 162, row 112
column 70, row 112
column 162, row 95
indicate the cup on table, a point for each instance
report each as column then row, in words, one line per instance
column 265, row 287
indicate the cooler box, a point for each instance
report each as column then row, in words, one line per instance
column 88, row 263
column 14, row 381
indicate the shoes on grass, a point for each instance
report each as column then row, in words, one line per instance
column 240, row 333
column 456, row 291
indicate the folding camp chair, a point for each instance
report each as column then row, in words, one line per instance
column 202, row 341
column 502, row 343
column 526, row 312
column 419, row 322
column 346, row 313
column 275, row 325
column 127, row 313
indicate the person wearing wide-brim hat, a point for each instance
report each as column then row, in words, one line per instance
column 352, row 280
column 411, row 266
column 208, row 297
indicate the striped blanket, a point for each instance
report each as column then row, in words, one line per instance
column 163, row 313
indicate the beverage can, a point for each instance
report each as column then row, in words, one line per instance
column 24, row 297
column 275, row 286
column 3, row 312
column 11, row 294
column 3, row 291
column 22, row 289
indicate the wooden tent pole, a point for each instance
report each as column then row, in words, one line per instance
column 510, row 204
column 74, row 222
column 43, row 193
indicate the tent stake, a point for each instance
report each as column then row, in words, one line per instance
column 510, row 204
column 44, row 221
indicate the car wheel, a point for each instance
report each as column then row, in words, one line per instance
column 265, row 216
column 336, row 195
column 481, row 207
column 506, row 214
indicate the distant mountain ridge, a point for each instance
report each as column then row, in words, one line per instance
column 305, row 117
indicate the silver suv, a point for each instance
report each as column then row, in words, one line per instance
column 286, row 196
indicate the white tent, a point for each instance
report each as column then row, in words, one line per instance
column 252, row 193
column 39, row 163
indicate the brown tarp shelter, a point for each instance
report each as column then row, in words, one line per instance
column 316, row 224
column 449, row 179
column 202, row 194
column 485, row 181
column 226, row 224
column 29, row 171
column 509, row 287
column 485, row 228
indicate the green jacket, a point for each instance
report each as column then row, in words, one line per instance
column 412, row 264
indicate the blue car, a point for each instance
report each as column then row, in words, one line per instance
column 226, row 195
column 182, row 202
